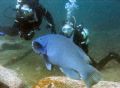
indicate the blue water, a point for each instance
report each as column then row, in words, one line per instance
column 95, row 14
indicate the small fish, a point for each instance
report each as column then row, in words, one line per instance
column 71, row 60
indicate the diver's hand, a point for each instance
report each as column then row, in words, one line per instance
column 51, row 27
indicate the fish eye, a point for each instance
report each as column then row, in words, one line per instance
column 37, row 45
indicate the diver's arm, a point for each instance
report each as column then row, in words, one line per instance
column 51, row 24
column 11, row 31
column 49, row 19
column 42, row 12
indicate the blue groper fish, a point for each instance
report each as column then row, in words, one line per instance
column 72, row 61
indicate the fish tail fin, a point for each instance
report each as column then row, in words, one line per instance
column 91, row 76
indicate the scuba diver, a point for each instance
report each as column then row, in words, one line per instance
column 80, row 37
column 79, row 34
column 29, row 15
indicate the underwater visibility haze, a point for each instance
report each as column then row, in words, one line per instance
column 100, row 17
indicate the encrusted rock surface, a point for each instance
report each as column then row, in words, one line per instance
column 9, row 79
column 64, row 82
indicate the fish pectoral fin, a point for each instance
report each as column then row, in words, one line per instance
column 48, row 66
column 47, row 63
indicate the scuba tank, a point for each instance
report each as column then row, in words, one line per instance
column 70, row 29
column 84, row 32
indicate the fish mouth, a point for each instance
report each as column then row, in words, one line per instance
column 36, row 47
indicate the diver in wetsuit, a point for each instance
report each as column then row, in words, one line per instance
column 80, row 37
column 79, row 34
column 29, row 15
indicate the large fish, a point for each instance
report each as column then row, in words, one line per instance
column 72, row 61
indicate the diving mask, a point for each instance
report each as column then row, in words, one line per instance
column 26, row 11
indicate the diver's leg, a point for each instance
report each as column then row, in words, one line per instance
column 115, row 56
column 94, row 63
column 84, row 47
column 105, row 60
column 108, row 58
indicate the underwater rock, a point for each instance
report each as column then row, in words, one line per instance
column 64, row 82
column 10, row 46
column 107, row 84
column 3, row 85
column 9, row 79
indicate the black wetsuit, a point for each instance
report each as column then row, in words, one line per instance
column 78, row 39
column 25, row 25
